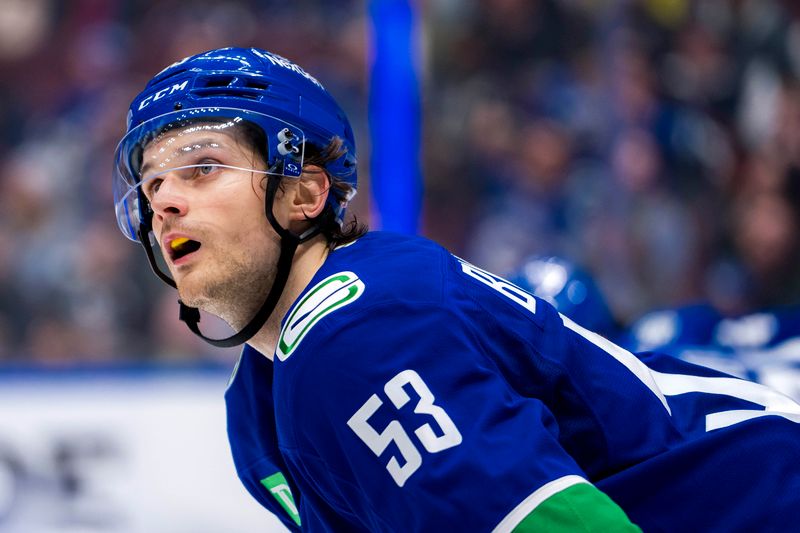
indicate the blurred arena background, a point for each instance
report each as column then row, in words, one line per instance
column 656, row 143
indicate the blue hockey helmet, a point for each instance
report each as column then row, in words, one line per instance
column 230, row 86
column 568, row 288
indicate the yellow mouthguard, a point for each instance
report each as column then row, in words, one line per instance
column 178, row 242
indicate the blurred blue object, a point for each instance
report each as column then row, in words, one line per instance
column 763, row 347
column 395, row 116
column 701, row 324
column 569, row 289
column 689, row 325
column 763, row 329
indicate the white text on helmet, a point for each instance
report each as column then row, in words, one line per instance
column 162, row 93
column 279, row 61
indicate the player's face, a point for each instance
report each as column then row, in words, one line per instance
column 209, row 219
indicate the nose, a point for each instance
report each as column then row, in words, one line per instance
column 170, row 199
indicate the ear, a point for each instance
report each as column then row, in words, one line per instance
column 311, row 193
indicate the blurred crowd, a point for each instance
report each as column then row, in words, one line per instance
column 654, row 142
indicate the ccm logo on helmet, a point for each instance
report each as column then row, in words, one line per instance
column 158, row 95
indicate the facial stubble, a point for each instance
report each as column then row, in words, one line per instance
column 232, row 286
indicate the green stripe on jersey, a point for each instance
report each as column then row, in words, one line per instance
column 277, row 485
column 579, row 507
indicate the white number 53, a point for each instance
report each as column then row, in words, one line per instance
column 394, row 431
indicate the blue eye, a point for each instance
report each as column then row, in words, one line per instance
column 206, row 169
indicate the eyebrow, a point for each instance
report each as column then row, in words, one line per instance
column 204, row 141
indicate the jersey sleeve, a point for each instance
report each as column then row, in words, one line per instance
column 407, row 425
column 251, row 433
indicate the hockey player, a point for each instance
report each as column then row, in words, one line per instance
column 387, row 385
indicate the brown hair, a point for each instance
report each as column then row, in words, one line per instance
column 336, row 234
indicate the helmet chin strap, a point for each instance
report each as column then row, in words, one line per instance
column 289, row 244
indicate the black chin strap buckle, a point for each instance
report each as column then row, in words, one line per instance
column 190, row 315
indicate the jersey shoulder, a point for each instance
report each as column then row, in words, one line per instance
column 376, row 278
column 398, row 282
column 396, row 267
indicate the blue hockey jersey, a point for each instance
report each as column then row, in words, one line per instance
column 413, row 391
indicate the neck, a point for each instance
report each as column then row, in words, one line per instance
column 308, row 258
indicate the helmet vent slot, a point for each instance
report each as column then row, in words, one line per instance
column 219, row 81
column 233, row 92
column 233, row 86
column 256, row 84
